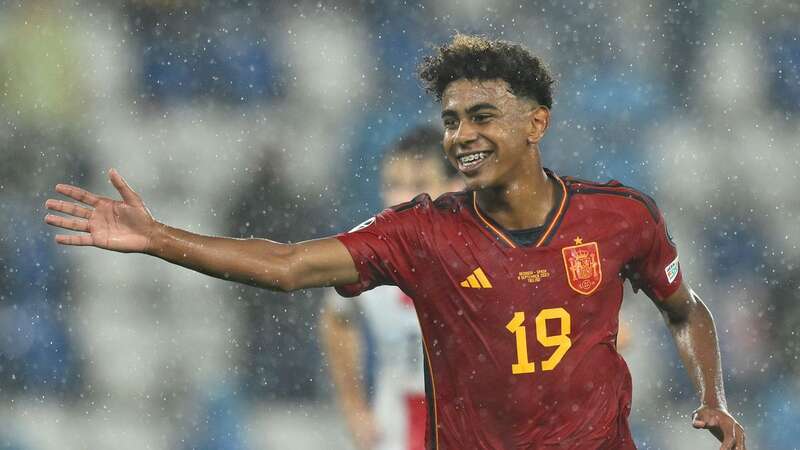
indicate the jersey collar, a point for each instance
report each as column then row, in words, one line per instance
column 550, row 223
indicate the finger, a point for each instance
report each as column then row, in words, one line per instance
column 68, row 223
column 740, row 438
column 128, row 195
column 68, row 208
column 729, row 438
column 74, row 239
column 78, row 194
column 702, row 421
column 728, row 444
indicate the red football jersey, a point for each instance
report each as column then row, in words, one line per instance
column 520, row 340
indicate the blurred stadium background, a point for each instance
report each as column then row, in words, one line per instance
column 268, row 118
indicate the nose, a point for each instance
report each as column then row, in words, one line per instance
column 465, row 134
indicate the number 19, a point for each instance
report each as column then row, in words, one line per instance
column 561, row 340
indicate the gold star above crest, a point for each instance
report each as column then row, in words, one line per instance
column 578, row 240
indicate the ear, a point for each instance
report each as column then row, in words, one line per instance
column 540, row 121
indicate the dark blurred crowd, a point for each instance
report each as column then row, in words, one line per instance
column 694, row 103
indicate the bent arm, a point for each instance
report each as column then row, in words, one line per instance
column 695, row 335
column 692, row 327
column 258, row 262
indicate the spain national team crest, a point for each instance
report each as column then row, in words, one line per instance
column 582, row 262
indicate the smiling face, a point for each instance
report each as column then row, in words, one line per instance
column 491, row 135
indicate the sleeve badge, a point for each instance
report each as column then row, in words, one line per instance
column 672, row 270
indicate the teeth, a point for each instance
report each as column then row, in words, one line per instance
column 473, row 159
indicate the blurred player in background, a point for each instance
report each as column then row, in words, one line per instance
column 517, row 281
column 395, row 419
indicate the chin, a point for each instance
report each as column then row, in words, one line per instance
column 477, row 183
column 486, row 178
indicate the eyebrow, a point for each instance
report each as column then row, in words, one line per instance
column 472, row 109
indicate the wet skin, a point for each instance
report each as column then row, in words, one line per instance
column 485, row 116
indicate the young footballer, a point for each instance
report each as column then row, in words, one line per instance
column 517, row 281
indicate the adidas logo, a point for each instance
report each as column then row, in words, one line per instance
column 477, row 280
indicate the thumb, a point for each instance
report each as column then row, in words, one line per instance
column 701, row 419
column 710, row 421
column 128, row 195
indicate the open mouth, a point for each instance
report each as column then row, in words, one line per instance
column 467, row 163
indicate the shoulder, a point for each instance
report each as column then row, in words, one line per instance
column 401, row 213
column 447, row 202
column 420, row 201
column 615, row 194
column 407, row 216
column 410, row 217
column 452, row 201
column 423, row 213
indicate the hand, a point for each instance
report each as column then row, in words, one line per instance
column 123, row 226
column 721, row 425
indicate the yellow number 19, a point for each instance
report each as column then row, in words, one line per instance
column 561, row 340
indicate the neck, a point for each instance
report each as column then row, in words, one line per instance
column 521, row 204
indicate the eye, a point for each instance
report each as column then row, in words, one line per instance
column 480, row 118
column 450, row 124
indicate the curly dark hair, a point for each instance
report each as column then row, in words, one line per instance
column 480, row 58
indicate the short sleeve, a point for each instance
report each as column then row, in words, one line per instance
column 385, row 248
column 657, row 271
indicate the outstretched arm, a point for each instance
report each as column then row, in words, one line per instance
column 127, row 226
column 695, row 335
